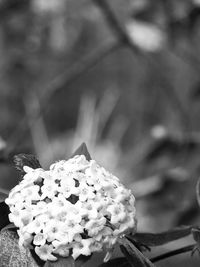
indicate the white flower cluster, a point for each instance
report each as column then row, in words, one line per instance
column 75, row 208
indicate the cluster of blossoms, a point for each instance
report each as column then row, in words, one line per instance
column 74, row 208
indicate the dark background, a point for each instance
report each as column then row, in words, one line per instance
column 125, row 79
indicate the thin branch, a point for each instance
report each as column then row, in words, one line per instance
column 173, row 253
column 116, row 25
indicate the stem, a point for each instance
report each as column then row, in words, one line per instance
column 173, row 253
column 117, row 26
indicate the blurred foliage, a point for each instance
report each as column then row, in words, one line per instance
column 63, row 80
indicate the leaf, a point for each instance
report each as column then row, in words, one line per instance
column 133, row 255
column 67, row 262
column 82, row 260
column 61, row 262
column 10, row 226
column 196, row 235
column 11, row 254
column 151, row 239
column 82, row 150
column 161, row 146
column 29, row 160
column 4, row 211
column 119, row 262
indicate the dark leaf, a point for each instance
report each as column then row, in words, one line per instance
column 196, row 235
column 29, row 160
column 61, row 262
column 150, row 239
column 82, row 150
column 4, row 211
column 67, row 262
column 11, row 254
column 120, row 262
column 171, row 144
column 82, row 260
column 39, row 262
column 10, row 226
column 133, row 255
column 162, row 146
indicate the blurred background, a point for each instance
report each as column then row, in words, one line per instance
column 120, row 75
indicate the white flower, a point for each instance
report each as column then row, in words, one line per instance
column 67, row 187
column 82, row 248
column 128, row 224
column 117, row 213
column 14, row 199
column 96, row 246
column 45, row 252
column 40, row 207
column 32, row 175
column 25, row 238
column 36, row 225
column 39, row 239
column 89, row 209
column 62, row 215
column 72, row 227
column 31, row 192
column 74, row 208
column 20, row 218
column 49, row 189
column 28, row 169
column 95, row 226
column 86, row 192
column 62, row 250
column 59, row 202
column 105, row 232
column 57, row 166
column 54, row 230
